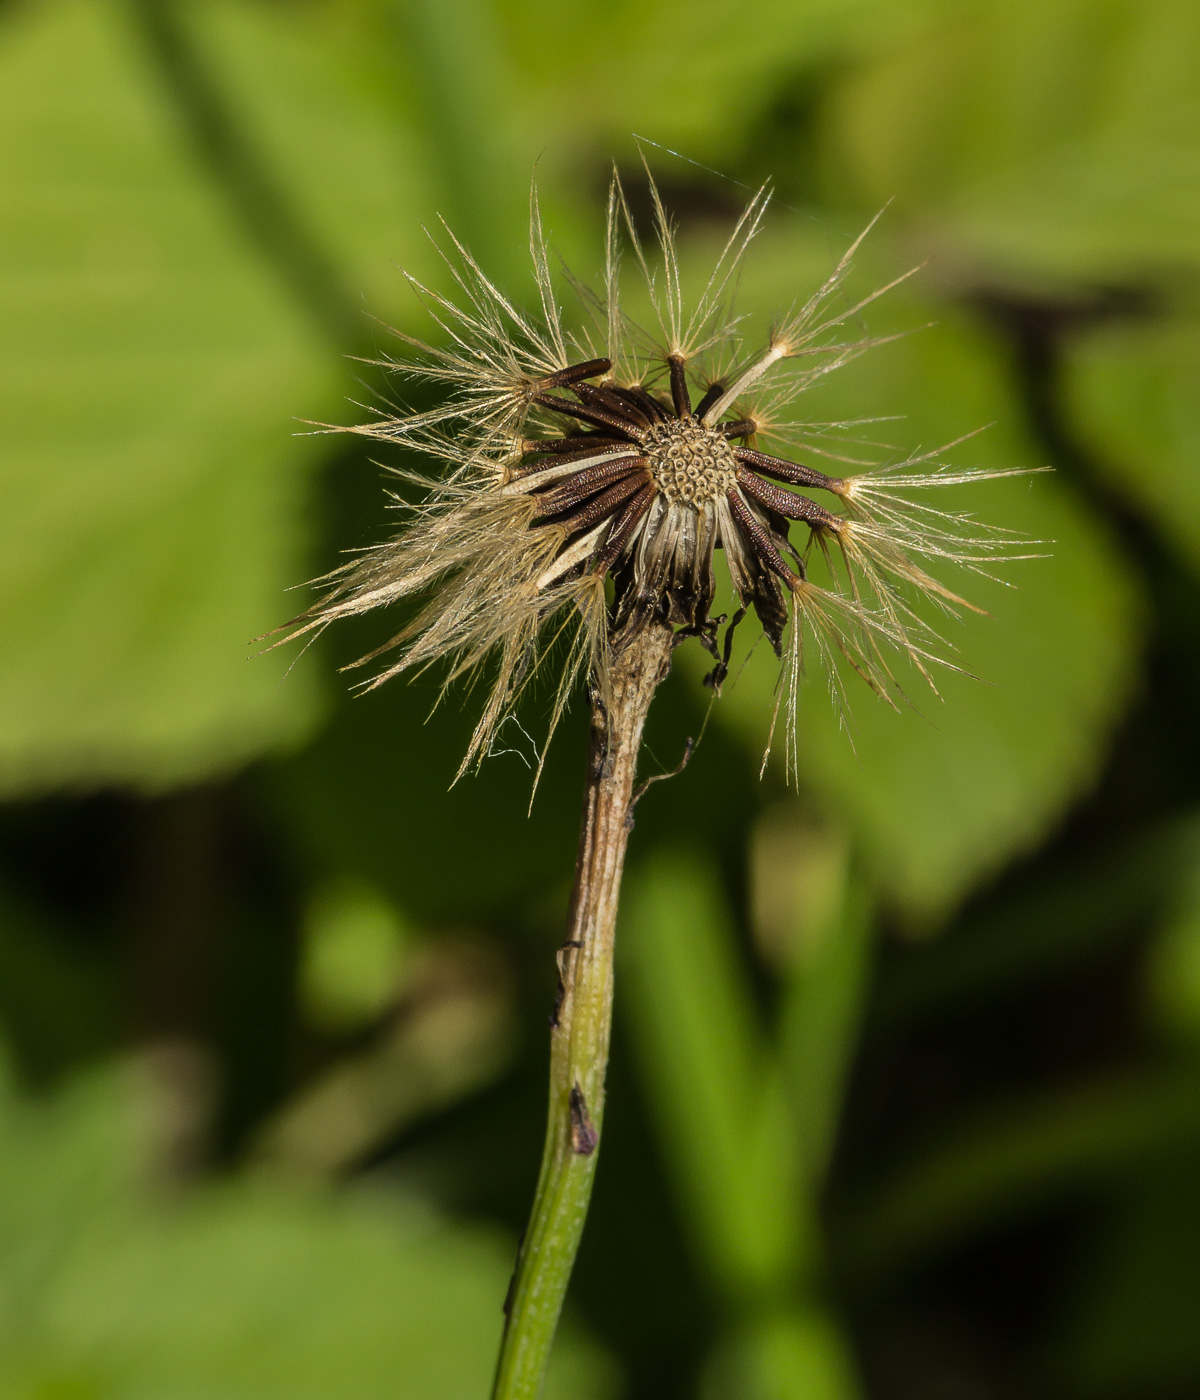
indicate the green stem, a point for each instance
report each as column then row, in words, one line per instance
column 582, row 1022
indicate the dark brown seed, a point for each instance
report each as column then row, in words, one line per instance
column 744, row 427
column 645, row 401
column 788, row 471
column 605, row 504
column 568, row 446
column 562, row 495
column 758, row 537
column 624, row 526
column 711, row 395
column 679, row 389
column 597, row 396
column 787, row 503
column 588, row 415
column 588, row 369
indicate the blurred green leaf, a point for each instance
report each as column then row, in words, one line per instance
column 1133, row 391
column 466, row 101
column 818, row 1032
column 744, row 1128
column 1015, row 1159
column 1079, row 910
column 1174, row 966
column 356, row 946
column 940, row 794
column 795, row 1355
column 328, row 102
column 246, row 1290
column 1132, row 1329
column 57, row 1005
column 718, row 1097
column 1034, row 141
column 687, row 75
column 370, row 796
column 811, row 920
column 154, row 369
column 152, row 493
column 449, row 1031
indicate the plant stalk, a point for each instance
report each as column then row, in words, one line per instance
column 582, row 1020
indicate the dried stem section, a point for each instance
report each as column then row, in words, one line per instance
column 582, row 1020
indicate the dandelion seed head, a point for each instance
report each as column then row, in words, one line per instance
column 573, row 454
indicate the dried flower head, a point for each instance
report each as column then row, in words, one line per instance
column 574, row 454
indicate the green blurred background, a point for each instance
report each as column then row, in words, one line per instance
column 905, row 1099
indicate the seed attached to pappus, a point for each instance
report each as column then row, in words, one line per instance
column 574, row 454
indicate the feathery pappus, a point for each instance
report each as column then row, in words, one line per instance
column 574, row 453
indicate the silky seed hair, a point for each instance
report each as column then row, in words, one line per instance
column 568, row 454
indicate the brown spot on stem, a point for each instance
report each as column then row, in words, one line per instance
column 584, row 1137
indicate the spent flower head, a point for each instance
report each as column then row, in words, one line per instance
column 575, row 451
